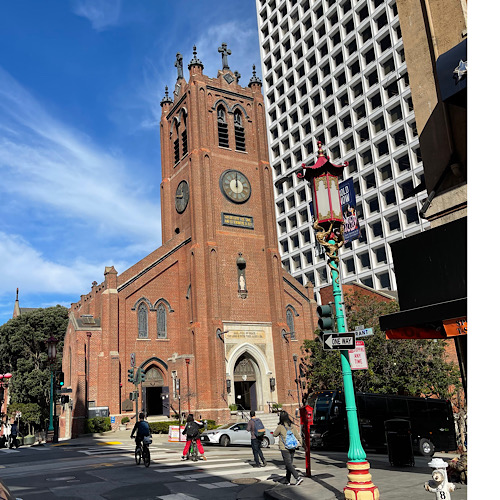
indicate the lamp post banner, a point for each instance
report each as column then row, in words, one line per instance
column 348, row 200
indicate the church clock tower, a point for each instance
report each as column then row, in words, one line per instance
column 246, row 318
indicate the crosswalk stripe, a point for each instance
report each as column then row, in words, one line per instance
column 242, row 470
column 195, row 467
column 7, row 450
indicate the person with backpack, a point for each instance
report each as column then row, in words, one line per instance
column 192, row 432
column 288, row 441
column 257, row 431
column 142, row 428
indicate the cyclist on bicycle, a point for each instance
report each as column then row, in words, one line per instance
column 142, row 428
column 192, row 432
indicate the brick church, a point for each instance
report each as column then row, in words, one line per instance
column 211, row 309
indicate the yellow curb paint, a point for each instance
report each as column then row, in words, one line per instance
column 109, row 442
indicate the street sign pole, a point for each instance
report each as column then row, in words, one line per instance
column 356, row 452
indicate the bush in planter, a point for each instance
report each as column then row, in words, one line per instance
column 161, row 427
column 125, row 420
column 233, row 407
column 277, row 407
column 97, row 424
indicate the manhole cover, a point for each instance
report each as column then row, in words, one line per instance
column 245, row 480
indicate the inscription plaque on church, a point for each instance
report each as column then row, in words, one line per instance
column 246, row 334
column 234, row 220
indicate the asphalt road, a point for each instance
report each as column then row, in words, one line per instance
column 106, row 470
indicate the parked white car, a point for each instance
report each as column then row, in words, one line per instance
column 234, row 434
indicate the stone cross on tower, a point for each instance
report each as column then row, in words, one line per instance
column 178, row 65
column 225, row 52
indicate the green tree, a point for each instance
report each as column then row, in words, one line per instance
column 31, row 415
column 409, row 367
column 23, row 352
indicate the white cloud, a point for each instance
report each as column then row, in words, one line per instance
column 50, row 164
column 23, row 266
column 101, row 13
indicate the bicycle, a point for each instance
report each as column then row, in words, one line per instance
column 142, row 451
column 193, row 451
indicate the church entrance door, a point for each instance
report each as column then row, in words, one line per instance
column 152, row 389
column 245, row 383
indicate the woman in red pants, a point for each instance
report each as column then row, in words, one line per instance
column 192, row 432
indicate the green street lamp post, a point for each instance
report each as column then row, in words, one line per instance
column 52, row 354
column 329, row 227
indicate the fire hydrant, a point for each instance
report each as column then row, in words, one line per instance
column 439, row 483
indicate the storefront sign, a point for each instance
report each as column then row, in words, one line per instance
column 455, row 327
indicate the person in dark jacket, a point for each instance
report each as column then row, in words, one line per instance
column 285, row 424
column 255, row 441
column 142, row 428
column 192, row 432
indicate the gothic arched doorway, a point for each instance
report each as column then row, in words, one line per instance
column 246, row 375
column 152, row 390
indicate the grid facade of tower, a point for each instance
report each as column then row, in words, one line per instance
column 335, row 71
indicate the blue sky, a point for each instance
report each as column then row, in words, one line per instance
column 80, row 87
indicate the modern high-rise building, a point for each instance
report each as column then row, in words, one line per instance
column 335, row 71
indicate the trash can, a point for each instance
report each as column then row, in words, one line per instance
column 399, row 445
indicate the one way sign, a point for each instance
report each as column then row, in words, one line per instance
column 339, row 341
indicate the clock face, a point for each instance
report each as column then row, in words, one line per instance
column 235, row 186
column 181, row 196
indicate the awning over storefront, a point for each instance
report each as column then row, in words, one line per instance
column 436, row 321
column 431, row 272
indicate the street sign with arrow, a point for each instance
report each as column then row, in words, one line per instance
column 333, row 341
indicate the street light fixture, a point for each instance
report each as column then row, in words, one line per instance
column 323, row 179
column 52, row 354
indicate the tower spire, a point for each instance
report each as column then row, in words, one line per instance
column 195, row 61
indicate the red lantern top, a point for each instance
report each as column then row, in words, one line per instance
column 323, row 177
column 321, row 167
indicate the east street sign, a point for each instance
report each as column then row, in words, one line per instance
column 339, row 341
column 365, row 332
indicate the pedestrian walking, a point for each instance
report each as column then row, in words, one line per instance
column 257, row 431
column 288, row 441
column 192, row 432
column 13, row 436
column 5, row 434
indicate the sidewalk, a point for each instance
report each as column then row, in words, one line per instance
column 328, row 480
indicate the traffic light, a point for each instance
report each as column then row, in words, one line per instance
column 64, row 399
column 325, row 321
column 142, row 375
column 131, row 375
column 59, row 380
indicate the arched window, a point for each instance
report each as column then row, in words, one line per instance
column 239, row 131
column 161, row 322
column 290, row 322
column 176, row 142
column 142, row 320
column 222, row 127
column 184, row 138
